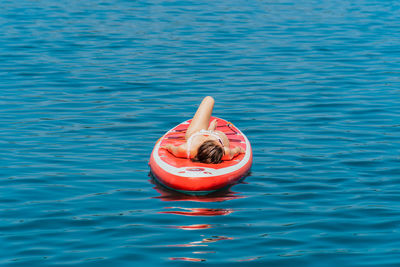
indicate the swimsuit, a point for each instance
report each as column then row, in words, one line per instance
column 205, row 133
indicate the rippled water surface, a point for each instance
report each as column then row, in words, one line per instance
column 87, row 87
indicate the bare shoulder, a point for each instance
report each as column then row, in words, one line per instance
column 181, row 151
column 227, row 150
column 183, row 146
column 227, row 154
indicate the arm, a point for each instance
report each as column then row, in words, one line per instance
column 231, row 153
column 177, row 151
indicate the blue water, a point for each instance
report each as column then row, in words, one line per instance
column 87, row 87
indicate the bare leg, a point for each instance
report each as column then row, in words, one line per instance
column 201, row 118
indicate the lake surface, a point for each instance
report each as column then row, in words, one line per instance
column 87, row 88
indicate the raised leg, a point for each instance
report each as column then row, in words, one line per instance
column 201, row 118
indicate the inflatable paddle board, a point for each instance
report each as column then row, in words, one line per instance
column 190, row 177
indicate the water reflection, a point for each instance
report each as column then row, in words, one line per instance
column 212, row 239
column 200, row 243
column 192, row 227
column 171, row 195
column 197, row 211
column 185, row 259
column 168, row 195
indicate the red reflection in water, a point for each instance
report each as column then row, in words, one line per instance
column 193, row 226
column 202, row 243
column 171, row 195
column 198, row 211
column 185, row 259
column 218, row 196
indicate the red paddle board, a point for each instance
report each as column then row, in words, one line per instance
column 199, row 178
